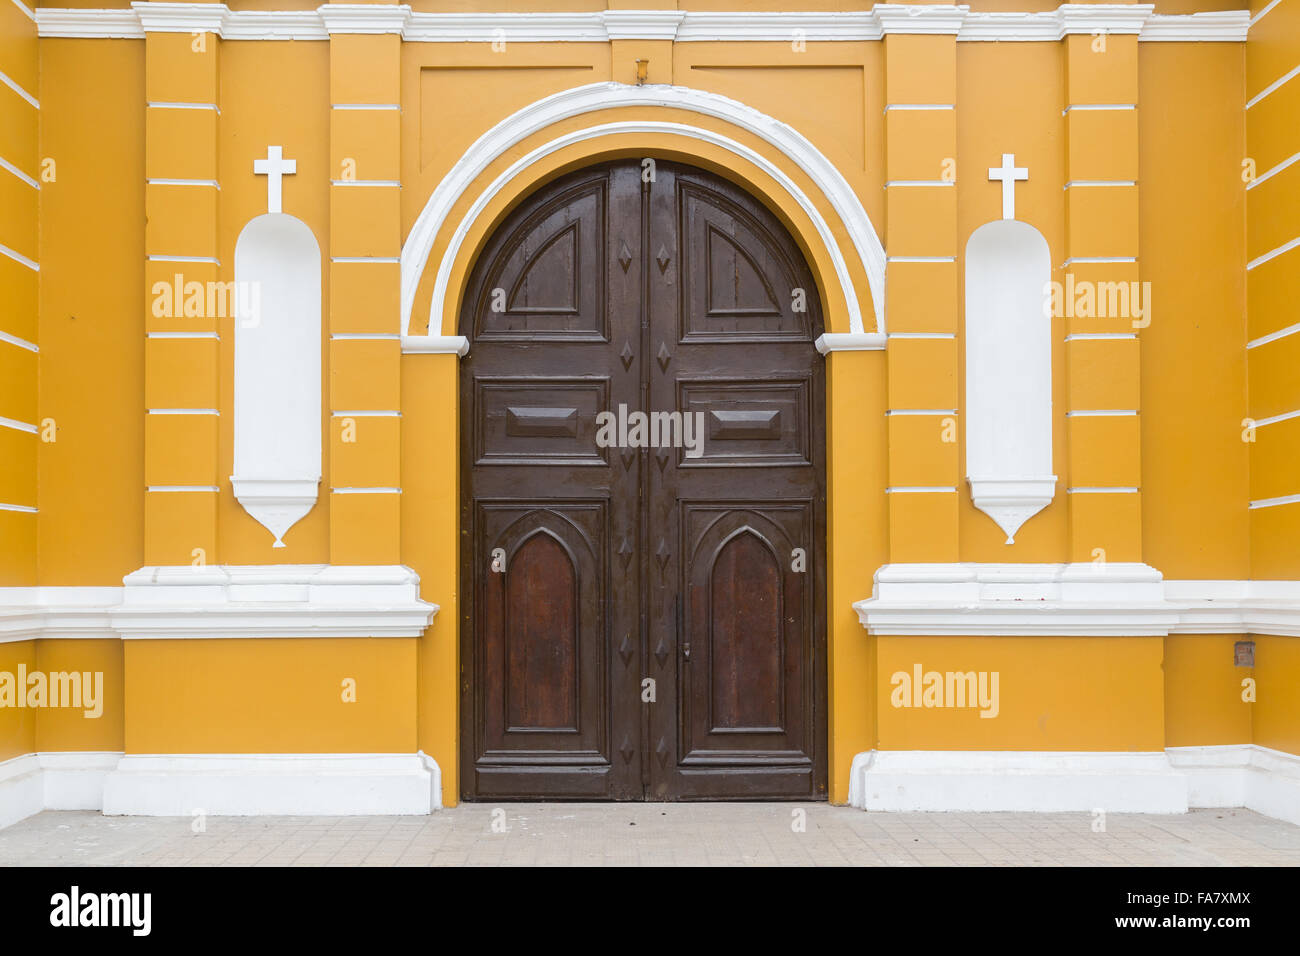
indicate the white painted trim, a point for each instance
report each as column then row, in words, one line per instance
column 1273, row 336
column 183, row 411
column 219, row 784
column 850, row 342
column 1099, row 336
column 17, row 88
column 370, row 413
column 1017, row 781
column 20, row 258
column 265, row 601
column 212, row 183
column 1099, row 260
column 1099, row 106
column 183, row 335
column 1274, row 419
column 365, row 182
column 1274, row 502
column 185, row 106
column 17, row 425
column 919, row 106
column 1241, row 775
column 203, row 260
column 272, row 784
column 920, row 411
column 366, row 491
column 1077, row 183
column 1083, row 490
column 1273, row 172
column 383, row 260
column 1060, row 600
column 21, row 343
column 435, row 344
column 1259, row 16
column 922, row 335
column 915, row 259
column 1272, row 254
column 920, row 490
column 62, row 780
column 11, row 168
column 31, row 15
column 1101, row 413
column 883, row 19
column 181, row 489
column 599, row 96
column 23, row 509
column 1274, row 86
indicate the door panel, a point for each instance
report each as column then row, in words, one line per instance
column 648, row 631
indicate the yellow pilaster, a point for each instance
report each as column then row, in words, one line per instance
column 365, row 347
column 1103, row 301
column 921, row 239
column 182, row 345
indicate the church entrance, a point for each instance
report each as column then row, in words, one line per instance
column 643, row 490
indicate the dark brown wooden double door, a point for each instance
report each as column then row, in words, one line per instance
column 643, row 598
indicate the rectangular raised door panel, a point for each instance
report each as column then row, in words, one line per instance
column 642, row 622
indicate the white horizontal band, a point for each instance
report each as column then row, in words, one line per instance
column 1101, row 491
column 367, row 336
column 184, row 106
column 17, row 425
column 183, row 411
column 183, row 335
column 1273, row 336
column 1274, row 502
column 202, row 260
column 21, row 343
column 922, row 335
column 5, row 164
column 1100, row 336
column 365, row 182
column 1273, row 254
column 1100, row 412
column 1099, row 106
column 920, row 106
column 883, row 19
column 1273, row 172
column 380, row 259
column 168, row 489
column 921, row 490
column 17, row 88
column 1274, row 419
column 919, row 182
column 366, row 106
column 921, row 411
column 365, row 414
column 1274, row 86
column 1075, row 183
column 24, row 509
column 183, row 182
column 366, row 491
column 921, row 259
column 1099, row 260
column 19, row 257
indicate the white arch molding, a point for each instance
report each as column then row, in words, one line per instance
column 598, row 96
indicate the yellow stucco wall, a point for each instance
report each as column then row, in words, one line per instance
column 1189, row 223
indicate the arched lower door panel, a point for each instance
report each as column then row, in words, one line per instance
column 643, row 603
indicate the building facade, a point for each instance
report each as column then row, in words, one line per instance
column 963, row 337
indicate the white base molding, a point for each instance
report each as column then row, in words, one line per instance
column 220, row 784
column 1018, row 781
column 1173, row 781
column 238, row 785
column 1241, row 775
column 53, row 781
column 1121, row 599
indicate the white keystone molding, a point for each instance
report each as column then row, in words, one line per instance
column 600, row 96
column 436, row 344
column 642, row 24
column 1015, row 780
column 1085, row 599
column 263, row 601
column 682, row 26
column 272, row 784
column 1011, row 501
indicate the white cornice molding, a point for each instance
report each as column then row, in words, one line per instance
column 225, row 601
column 642, row 24
column 850, row 342
column 682, row 26
column 364, row 18
column 1086, row 599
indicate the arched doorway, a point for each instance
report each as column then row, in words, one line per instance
column 643, row 503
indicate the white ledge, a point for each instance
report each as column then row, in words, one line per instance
column 223, row 602
column 850, row 342
column 1086, row 599
column 682, row 26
